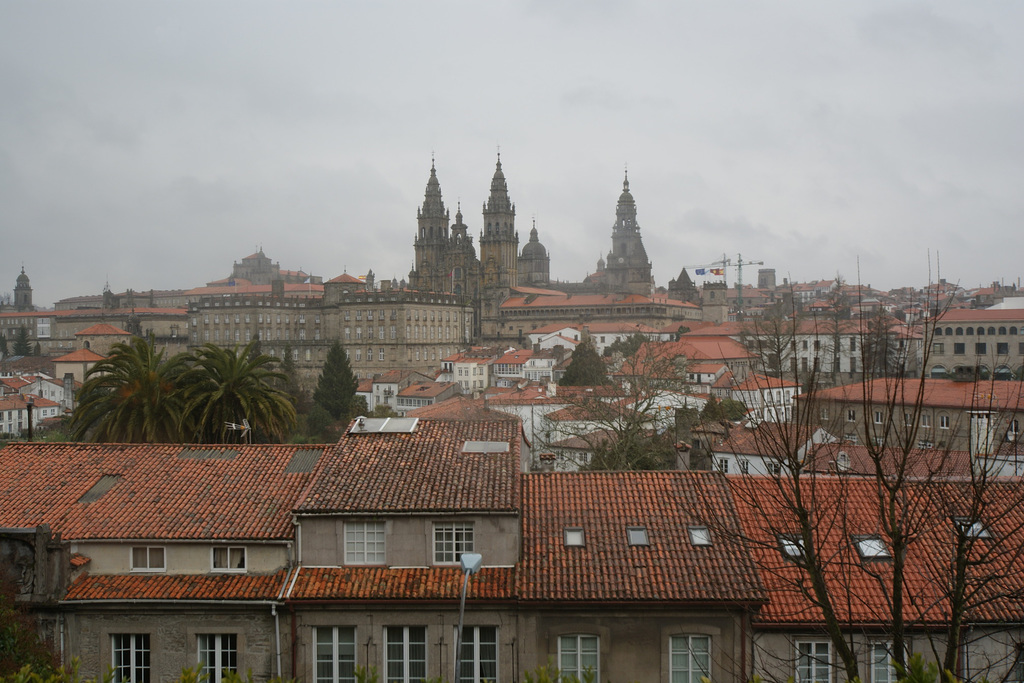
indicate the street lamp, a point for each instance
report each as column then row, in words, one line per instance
column 470, row 565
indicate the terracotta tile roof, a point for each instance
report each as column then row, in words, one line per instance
column 176, row 587
column 848, row 507
column 757, row 382
column 79, row 356
column 967, row 315
column 386, row 583
column 157, row 493
column 346, row 279
column 578, row 300
column 102, row 329
column 607, row 568
column 553, row 327
column 515, row 357
column 935, row 393
column 426, row 389
column 79, row 560
column 419, row 472
column 461, row 408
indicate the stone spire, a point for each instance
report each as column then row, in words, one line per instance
column 499, row 201
column 433, row 205
column 625, row 212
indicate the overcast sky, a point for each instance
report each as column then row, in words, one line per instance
column 151, row 144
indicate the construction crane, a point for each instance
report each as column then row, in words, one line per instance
column 718, row 268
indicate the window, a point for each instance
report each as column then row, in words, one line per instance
column 450, row 541
column 943, row 421
column 744, row 466
column 981, row 348
column 130, row 657
column 229, row 559
column 792, row 546
column 959, row 348
column 479, row 654
column 871, row 548
column 926, row 421
column 699, row 535
column 218, row 654
column 148, row 559
column 637, row 535
column 723, row 466
column 1003, row 348
column 851, row 415
column 574, row 536
column 882, row 670
column 578, row 654
column 812, row 662
column 690, row 658
column 335, row 654
column 364, row 543
column 878, row 417
column 405, row 654
column 972, row 529
column 938, row 348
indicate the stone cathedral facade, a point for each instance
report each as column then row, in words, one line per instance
column 446, row 260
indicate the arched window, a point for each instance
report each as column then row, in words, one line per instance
column 1013, row 330
column 991, row 330
column 960, row 330
column 938, row 372
column 949, row 330
column 970, row 331
column 1002, row 330
column 981, row 331
column 1003, row 373
column 938, row 331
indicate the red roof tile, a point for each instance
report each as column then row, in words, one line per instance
column 385, row 583
column 607, row 568
column 158, row 494
column 425, row 470
column 79, row 356
column 102, row 329
column 946, row 393
column 177, row 587
column 460, row 408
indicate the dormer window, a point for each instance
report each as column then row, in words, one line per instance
column 574, row 536
column 871, row 548
column 699, row 535
column 637, row 535
column 791, row 546
column 148, row 559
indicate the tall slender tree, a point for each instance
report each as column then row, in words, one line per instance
column 22, row 346
column 131, row 396
column 337, row 384
column 586, row 367
column 227, row 386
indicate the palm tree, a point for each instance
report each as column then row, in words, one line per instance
column 226, row 386
column 131, row 396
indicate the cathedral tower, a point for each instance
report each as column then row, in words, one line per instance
column 499, row 242
column 534, row 263
column 432, row 219
column 23, row 293
column 628, row 268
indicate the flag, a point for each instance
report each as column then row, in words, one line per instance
column 701, row 271
column 362, row 277
column 718, row 271
column 451, row 274
column 309, row 280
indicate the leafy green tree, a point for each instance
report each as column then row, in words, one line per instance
column 586, row 368
column 131, row 396
column 318, row 422
column 383, row 410
column 22, row 347
column 626, row 347
column 230, row 385
column 337, row 384
column 20, row 645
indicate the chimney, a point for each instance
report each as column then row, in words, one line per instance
column 547, row 462
column 69, row 386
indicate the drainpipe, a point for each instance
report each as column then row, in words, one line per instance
column 277, row 637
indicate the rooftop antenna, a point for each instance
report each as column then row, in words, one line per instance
column 244, row 428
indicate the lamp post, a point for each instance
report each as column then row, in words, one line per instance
column 470, row 565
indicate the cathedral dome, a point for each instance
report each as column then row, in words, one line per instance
column 533, row 248
column 22, row 279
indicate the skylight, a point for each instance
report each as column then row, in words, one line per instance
column 105, row 483
column 637, row 535
column 573, row 536
column 485, row 447
column 207, row 453
column 975, row 529
column 303, row 460
column 384, row 425
column 792, row 546
column 872, row 548
column 700, row 535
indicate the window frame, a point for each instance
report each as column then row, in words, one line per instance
column 473, row 659
column 406, row 662
column 574, row 537
column 792, row 547
column 687, row 674
column 342, row 667
column 230, row 552
column 149, row 568
column 458, row 541
column 872, row 548
column 637, row 536
column 138, row 667
column 815, row 661
column 891, row 676
column 223, row 646
column 578, row 653
column 362, row 555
